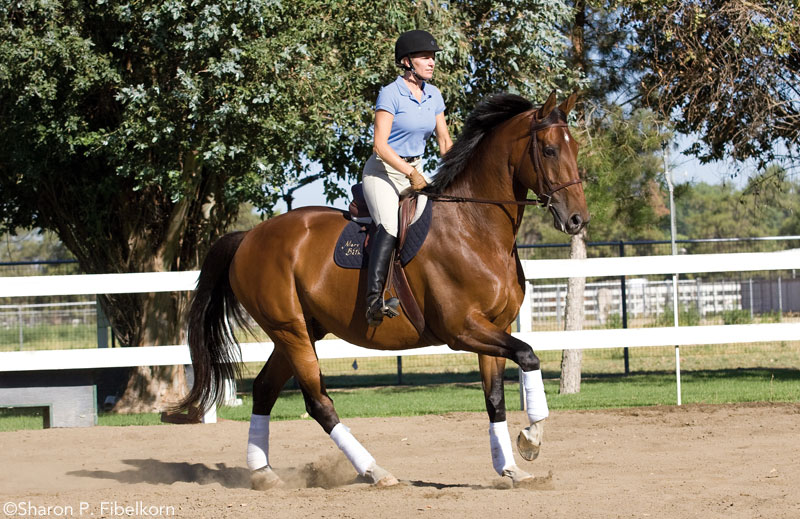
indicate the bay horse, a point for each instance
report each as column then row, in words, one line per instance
column 467, row 279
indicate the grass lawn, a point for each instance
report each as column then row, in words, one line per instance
column 462, row 393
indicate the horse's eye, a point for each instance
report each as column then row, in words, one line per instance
column 549, row 151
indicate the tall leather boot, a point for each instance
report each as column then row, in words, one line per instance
column 380, row 257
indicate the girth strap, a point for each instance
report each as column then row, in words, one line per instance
column 408, row 206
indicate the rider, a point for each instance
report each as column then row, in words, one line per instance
column 407, row 112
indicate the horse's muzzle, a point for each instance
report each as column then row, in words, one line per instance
column 575, row 223
column 571, row 225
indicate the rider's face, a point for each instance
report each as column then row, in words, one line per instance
column 424, row 63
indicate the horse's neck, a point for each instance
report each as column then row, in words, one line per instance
column 489, row 178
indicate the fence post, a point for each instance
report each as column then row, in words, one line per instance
column 558, row 306
column 399, row 370
column 780, row 299
column 624, row 297
column 19, row 321
column 102, row 326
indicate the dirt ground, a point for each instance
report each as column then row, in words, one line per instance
column 693, row 461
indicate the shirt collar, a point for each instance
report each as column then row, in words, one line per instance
column 404, row 90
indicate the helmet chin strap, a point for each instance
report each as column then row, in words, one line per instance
column 411, row 69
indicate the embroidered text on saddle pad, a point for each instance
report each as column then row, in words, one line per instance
column 349, row 250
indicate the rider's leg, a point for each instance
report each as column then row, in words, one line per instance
column 380, row 258
column 382, row 199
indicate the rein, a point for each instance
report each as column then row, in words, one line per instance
column 544, row 183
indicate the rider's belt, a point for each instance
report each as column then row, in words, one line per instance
column 411, row 159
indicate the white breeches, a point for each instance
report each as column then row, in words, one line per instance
column 383, row 187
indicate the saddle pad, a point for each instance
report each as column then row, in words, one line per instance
column 349, row 250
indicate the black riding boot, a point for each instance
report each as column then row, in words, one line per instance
column 380, row 256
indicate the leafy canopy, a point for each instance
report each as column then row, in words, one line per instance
column 227, row 101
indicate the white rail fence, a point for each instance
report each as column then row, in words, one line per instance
column 534, row 269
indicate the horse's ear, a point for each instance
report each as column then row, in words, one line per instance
column 569, row 103
column 548, row 106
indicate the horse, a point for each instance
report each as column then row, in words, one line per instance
column 467, row 279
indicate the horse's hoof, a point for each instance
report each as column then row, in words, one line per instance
column 380, row 477
column 264, row 479
column 519, row 478
column 529, row 441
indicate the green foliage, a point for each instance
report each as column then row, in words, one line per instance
column 241, row 95
column 613, row 321
column 31, row 245
column 771, row 317
column 736, row 317
column 724, row 70
column 686, row 316
column 767, row 206
column 623, row 168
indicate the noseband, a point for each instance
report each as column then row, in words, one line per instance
column 545, row 186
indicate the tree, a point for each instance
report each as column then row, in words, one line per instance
column 725, row 70
column 619, row 156
column 615, row 174
column 135, row 131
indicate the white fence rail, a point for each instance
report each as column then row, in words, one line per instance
column 643, row 297
column 534, row 269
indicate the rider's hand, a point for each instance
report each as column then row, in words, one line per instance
column 418, row 182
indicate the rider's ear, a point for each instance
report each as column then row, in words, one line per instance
column 548, row 106
column 569, row 103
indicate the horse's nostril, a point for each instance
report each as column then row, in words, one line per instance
column 576, row 221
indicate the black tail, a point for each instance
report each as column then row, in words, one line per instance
column 215, row 351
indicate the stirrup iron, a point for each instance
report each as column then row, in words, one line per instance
column 391, row 307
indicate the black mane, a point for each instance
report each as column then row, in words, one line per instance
column 489, row 113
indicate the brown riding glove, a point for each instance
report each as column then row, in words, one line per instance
column 418, row 182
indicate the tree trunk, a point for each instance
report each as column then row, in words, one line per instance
column 140, row 230
column 156, row 388
column 571, row 359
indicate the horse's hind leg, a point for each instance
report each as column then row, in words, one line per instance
column 499, row 439
column 299, row 352
column 266, row 388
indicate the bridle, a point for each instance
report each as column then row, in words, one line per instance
column 545, row 186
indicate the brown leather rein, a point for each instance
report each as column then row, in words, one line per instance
column 544, row 183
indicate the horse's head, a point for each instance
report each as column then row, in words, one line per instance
column 553, row 174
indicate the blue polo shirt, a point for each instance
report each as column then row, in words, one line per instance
column 414, row 121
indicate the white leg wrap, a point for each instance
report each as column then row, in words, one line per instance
column 500, row 441
column 258, row 442
column 355, row 452
column 535, row 399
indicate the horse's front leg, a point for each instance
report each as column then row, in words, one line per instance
column 483, row 337
column 492, row 369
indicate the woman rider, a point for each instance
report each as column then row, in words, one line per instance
column 407, row 112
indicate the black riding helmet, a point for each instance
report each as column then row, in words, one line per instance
column 411, row 42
